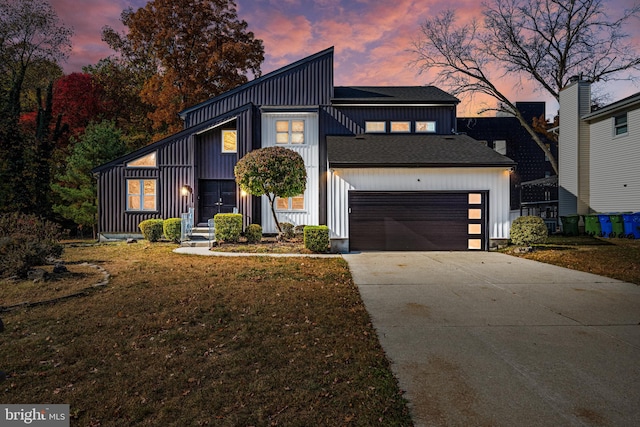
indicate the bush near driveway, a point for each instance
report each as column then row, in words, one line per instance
column 188, row 340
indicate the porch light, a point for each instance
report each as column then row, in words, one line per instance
column 243, row 193
column 185, row 190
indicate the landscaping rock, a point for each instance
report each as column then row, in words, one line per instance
column 129, row 241
column 60, row 268
column 36, row 274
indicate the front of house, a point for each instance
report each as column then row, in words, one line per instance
column 386, row 168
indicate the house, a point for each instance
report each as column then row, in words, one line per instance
column 534, row 185
column 599, row 152
column 386, row 168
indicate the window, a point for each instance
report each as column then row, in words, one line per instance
column 141, row 195
column 426, row 127
column 373, row 127
column 620, row 124
column 400, row 126
column 229, row 141
column 290, row 204
column 148, row 161
column 289, row 131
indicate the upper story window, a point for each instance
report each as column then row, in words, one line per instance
column 620, row 124
column 374, row 127
column 148, row 161
column 141, row 195
column 229, row 141
column 401, row 127
column 426, row 127
column 290, row 131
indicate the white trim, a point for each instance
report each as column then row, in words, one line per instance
column 217, row 125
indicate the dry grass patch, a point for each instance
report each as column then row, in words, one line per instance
column 187, row 340
column 615, row 258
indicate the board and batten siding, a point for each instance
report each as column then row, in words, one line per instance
column 615, row 165
column 494, row 180
column 310, row 155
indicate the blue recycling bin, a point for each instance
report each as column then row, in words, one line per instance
column 606, row 228
column 631, row 225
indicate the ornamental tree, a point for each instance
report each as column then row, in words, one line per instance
column 274, row 172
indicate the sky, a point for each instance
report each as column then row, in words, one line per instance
column 372, row 39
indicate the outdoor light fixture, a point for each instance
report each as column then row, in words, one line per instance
column 244, row 193
column 185, row 190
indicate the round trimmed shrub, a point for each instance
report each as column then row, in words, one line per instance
column 172, row 228
column 151, row 229
column 528, row 230
column 253, row 233
column 228, row 227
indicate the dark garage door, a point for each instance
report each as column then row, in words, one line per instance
column 417, row 221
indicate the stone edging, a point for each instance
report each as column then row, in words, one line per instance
column 82, row 292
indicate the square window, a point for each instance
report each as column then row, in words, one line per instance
column 475, row 213
column 475, row 244
column 297, row 203
column 282, row 204
column 289, row 131
column 426, row 126
column 620, row 124
column 141, row 195
column 282, row 138
column 475, row 198
column 475, row 229
column 229, row 141
column 282, row 126
column 373, row 127
column 400, row 126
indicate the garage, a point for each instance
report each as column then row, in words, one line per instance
column 417, row 220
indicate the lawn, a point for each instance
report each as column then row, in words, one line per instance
column 187, row 341
column 615, row 258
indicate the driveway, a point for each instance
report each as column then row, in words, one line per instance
column 482, row 338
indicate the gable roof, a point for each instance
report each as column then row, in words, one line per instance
column 412, row 150
column 259, row 80
column 391, row 95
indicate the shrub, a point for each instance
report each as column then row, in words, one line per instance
column 287, row 230
column 253, row 233
column 528, row 230
column 151, row 229
column 228, row 227
column 25, row 242
column 298, row 230
column 172, row 228
column 316, row 238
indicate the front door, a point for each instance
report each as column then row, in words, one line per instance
column 215, row 196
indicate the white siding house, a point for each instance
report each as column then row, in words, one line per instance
column 599, row 153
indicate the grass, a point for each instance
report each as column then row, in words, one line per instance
column 615, row 258
column 186, row 341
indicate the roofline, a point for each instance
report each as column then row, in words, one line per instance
column 612, row 108
column 398, row 104
column 253, row 82
column 194, row 130
column 345, row 165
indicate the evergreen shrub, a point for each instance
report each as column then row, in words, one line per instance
column 228, row 227
column 253, row 233
column 287, row 230
column 151, row 229
column 528, row 230
column 316, row 238
column 172, row 228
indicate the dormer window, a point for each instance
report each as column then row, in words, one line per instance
column 148, row 161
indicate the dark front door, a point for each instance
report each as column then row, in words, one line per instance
column 215, row 196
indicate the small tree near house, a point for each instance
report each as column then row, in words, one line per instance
column 274, row 172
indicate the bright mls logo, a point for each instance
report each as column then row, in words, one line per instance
column 36, row 415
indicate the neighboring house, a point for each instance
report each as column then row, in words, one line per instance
column 599, row 153
column 534, row 185
column 386, row 169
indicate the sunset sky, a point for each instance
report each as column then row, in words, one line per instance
column 372, row 38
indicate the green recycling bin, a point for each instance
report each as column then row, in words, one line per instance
column 617, row 224
column 592, row 225
column 570, row 225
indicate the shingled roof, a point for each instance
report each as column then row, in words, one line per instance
column 391, row 95
column 385, row 150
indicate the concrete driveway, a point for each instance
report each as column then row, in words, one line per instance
column 480, row 339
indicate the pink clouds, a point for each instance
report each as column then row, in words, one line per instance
column 372, row 38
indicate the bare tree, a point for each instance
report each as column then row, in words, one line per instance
column 544, row 41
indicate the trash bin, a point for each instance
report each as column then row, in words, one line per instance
column 617, row 225
column 606, row 228
column 631, row 225
column 570, row 225
column 592, row 225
